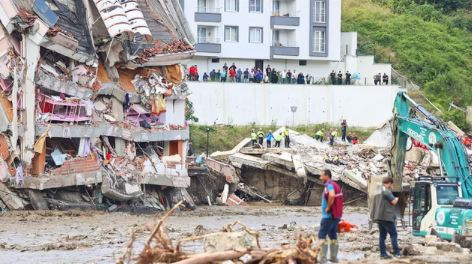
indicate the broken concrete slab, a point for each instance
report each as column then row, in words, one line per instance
column 37, row 200
column 59, row 181
column 284, row 159
column 381, row 137
column 223, row 169
column 62, row 86
column 11, row 199
column 239, row 160
column 261, row 151
column 299, row 167
column 223, row 155
column 222, row 241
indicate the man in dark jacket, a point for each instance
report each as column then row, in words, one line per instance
column 332, row 76
column 331, row 213
column 383, row 212
column 301, row 78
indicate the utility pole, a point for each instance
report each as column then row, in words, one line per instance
column 293, row 109
column 208, row 136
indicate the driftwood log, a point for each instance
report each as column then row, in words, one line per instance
column 158, row 248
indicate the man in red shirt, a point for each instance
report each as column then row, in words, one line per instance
column 232, row 74
column 192, row 71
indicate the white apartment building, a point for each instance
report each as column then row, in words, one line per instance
column 301, row 35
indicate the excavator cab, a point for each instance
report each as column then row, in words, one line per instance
column 428, row 194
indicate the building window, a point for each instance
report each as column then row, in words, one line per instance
column 255, row 6
column 215, row 60
column 319, row 12
column 302, row 62
column 202, row 6
column 255, row 35
column 319, row 41
column 207, row 34
column 231, row 5
column 231, row 34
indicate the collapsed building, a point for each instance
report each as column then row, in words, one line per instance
column 291, row 175
column 288, row 175
column 92, row 103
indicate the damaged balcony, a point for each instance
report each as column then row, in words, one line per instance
column 105, row 129
column 61, row 163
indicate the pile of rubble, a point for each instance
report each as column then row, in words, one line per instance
column 92, row 101
column 291, row 175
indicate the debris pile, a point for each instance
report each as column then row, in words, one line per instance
column 291, row 175
column 229, row 245
column 93, row 108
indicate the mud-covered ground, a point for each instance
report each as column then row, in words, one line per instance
column 99, row 237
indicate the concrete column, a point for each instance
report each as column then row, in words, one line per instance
column 14, row 99
column 32, row 56
column 117, row 110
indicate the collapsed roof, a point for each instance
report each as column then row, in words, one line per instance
column 137, row 30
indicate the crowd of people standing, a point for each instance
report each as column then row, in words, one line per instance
column 272, row 75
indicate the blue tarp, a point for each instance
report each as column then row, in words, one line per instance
column 42, row 10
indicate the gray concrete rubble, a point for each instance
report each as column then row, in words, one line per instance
column 93, row 108
column 291, row 175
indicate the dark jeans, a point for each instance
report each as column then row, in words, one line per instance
column 343, row 136
column 277, row 144
column 287, row 141
column 269, row 143
column 329, row 227
column 261, row 141
column 387, row 227
column 254, row 141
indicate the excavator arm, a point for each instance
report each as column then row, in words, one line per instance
column 435, row 135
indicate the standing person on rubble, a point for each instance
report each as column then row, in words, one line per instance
column 278, row 139
column 343, row 130
column 332, row 136
column 253, row 137
column 286, row 138
column 260, row 136
column 383, row 212
column 319, row 135
column 331, row 213
column 269, row 139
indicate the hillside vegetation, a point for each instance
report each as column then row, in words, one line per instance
column 429, row 43
column 225, row 137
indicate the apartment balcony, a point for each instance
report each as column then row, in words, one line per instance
column 208, row 45
column 208, row 15
column 284, row 21
column 284, row 48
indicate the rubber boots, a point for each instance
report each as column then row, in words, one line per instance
column 333, row 251
column 323, row 255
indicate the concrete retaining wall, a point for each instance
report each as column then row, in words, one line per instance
column 265, row 104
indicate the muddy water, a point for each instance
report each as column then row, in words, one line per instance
column 97, row 237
